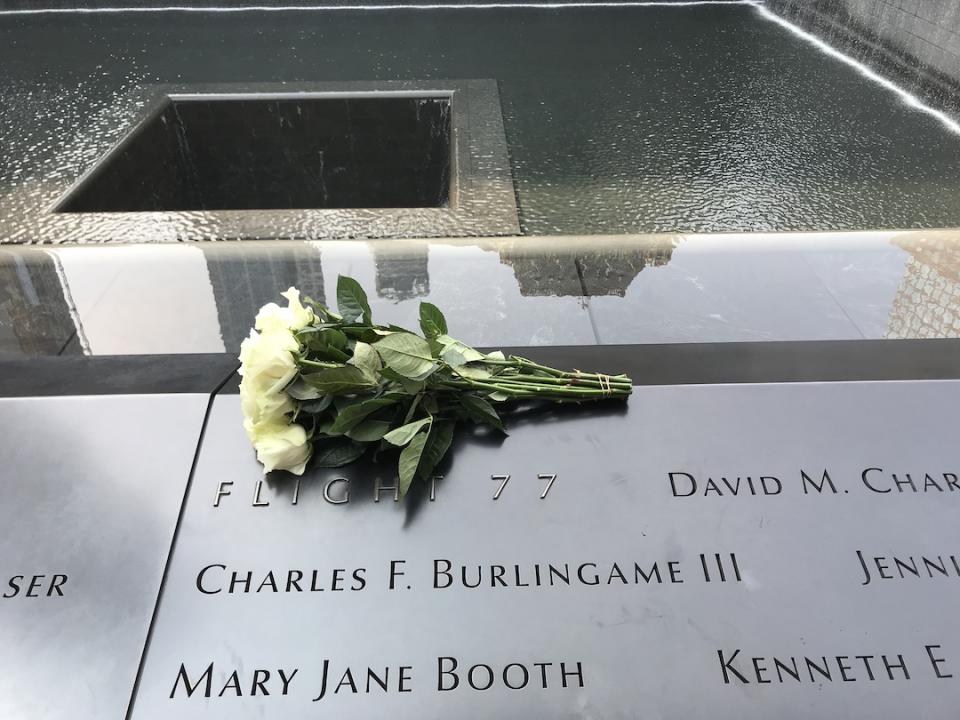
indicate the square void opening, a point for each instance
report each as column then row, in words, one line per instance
column 275, row 154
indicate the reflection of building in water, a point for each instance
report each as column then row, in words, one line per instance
column 608, row 270
column 611, row 272
column 35, row 316
column 927, row 304
column 401, row 276
column 244, row 279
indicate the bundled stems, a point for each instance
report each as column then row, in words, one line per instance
column 535, row 388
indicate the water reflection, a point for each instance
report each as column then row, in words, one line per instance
column 584, row 272
column 401, row 275
column 242, row 283
column 516, row 292
column 35, row 317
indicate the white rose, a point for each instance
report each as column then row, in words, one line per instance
column 261, row 405
column 293, row 317
column 272, row 317
column 281, row 447
column 300, row 316
column 267, row 366
column 246, row 348
column 267, row 359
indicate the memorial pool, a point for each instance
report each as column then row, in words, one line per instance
column 705, row 118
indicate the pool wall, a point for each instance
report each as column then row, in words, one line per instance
column 916, row 44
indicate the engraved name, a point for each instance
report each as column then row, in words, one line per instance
column 445, row 574
column 451, row 674
column 877, row 480
column 819, row 669
column 908, row 567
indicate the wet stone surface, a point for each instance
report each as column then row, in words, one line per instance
column 682, row 118
column 521, row 291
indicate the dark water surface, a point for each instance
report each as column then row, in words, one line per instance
column 652, row 119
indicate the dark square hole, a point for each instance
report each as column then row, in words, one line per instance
column 274, row 154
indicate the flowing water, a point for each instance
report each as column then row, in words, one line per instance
column 618, row 120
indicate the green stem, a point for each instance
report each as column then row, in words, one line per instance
column 477, row 385
column 413, row 407
column 318, row 363
column 520, row 363
column 532, row 390
column 584, row 379
column 584, row 392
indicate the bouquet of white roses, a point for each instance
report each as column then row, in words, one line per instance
column 321, row 386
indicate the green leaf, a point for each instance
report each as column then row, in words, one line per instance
column 404, row 434
column 340, row 381
column 351, row 416
column 344, row 401
column 496, row 355
column 429, row 404
column 427, row 373
column 323, row 335
column 441, row 435
column 323, row 427
column 337, row 452
column 435, row 347
column 453, row 345
column 481, row 411
column 406, row 354
column 366, row 358
column 453, row 358
column 410, row 460
column 474, row 372
column 301, row 390
column 352, row 301
column 319, row 309
column 324, row 343
column 432, row 321
column 367, row 335
column 410, row 387
column 317, row 406
column 369, row 431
